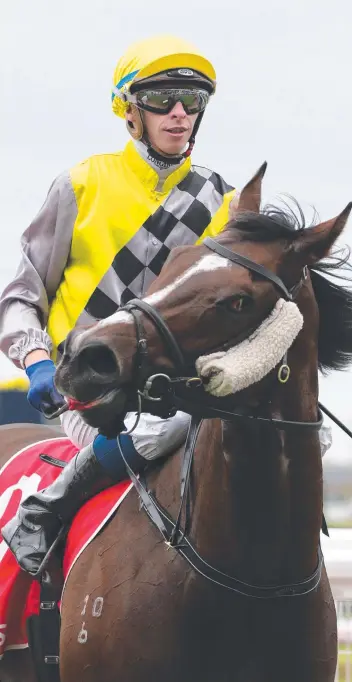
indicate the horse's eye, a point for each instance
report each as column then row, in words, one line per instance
column 237, row 304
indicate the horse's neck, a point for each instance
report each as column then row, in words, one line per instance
column 259, row 491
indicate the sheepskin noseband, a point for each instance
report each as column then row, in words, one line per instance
column 232, row 371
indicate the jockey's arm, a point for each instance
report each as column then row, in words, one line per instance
column 45, row 248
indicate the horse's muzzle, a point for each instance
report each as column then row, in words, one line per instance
column 91, row 376
column 89, row 373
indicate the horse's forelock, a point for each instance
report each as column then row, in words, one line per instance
column 272, row 223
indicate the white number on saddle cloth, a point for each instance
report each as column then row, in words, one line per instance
column 27, row 485
column 2, row 635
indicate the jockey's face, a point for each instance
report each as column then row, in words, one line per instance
column 169, row 133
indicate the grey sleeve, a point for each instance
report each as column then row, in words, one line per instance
column 45, row 248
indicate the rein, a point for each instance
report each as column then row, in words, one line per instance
column 175, row 537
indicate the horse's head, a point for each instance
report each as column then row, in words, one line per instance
column 207, row 301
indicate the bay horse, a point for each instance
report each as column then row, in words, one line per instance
column 134, row 608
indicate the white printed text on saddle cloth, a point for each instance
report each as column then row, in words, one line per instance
column 13, row 496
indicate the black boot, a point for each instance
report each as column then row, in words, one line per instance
column 43, row 517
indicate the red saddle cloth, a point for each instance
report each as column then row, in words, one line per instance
column 24, row 474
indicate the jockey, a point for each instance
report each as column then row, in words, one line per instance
column 100, row 239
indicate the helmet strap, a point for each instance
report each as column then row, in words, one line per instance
column 192, row 139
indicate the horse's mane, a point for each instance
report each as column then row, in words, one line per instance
column 333, row 298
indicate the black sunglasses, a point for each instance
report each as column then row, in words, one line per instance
column 193, row 100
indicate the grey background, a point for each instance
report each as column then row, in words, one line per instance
column 284, row 95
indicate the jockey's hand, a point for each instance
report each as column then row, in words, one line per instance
column 42, row 394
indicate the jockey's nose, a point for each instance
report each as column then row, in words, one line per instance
column 178, row 111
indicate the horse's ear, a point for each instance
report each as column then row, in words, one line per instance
column 315, row 243
column 250, row 197
column 233, row 206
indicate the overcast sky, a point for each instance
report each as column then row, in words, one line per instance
column 284, row 95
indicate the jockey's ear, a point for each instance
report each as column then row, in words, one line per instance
column 250, row 197
column 315, row 243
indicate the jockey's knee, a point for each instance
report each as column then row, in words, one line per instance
column 152, row 438
column 155, row 437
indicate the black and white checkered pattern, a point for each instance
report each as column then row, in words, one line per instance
column 180, row 220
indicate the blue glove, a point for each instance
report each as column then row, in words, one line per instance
column 42, row 394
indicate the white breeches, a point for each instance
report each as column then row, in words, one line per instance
column 152, row 438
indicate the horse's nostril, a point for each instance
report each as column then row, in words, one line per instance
column 98, row 358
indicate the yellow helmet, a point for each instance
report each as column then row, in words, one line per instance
column 152, row 56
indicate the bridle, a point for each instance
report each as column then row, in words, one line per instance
column 142, row 373
column 169, row 402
